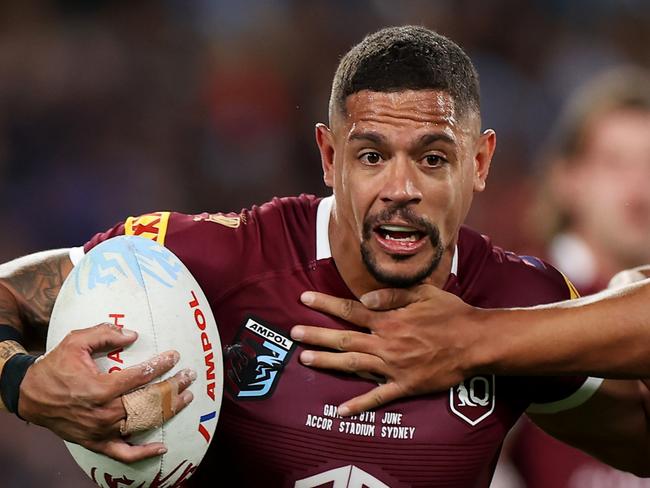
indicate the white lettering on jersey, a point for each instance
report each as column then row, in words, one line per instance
column 272, row 336
column 390, row 425
column 398, row 432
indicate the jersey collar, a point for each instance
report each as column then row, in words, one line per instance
column 323, row 249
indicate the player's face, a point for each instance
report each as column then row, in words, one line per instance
column 610, row 181
column 403, row 168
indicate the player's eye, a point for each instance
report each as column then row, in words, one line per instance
column 433, row 160
column 371, row 158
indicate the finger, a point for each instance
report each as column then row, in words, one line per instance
column 376, row 397
column 389, row 298
column 120, row 450
column 128, row 379
column 181, row 380
column 345, row 308
column 350, row 362
column 179, row 402
column 182, row 401
column 103, row 337
column 115, row 413
column 341, row 340
column 149, row 407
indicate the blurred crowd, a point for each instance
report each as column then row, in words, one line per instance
column 115, row 108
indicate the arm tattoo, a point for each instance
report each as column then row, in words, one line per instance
column 31, row 285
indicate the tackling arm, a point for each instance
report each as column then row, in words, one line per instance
column 606, row 334
column 424, row 339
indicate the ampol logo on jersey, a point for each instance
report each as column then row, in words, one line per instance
column 254, row 362
column 473, row 400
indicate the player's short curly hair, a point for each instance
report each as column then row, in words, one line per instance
column 407, row 58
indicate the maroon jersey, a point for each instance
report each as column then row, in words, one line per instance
column 279, row 425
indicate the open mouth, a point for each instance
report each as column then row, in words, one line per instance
column 399, row 233
column 399, row 239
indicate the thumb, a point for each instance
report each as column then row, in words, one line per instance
column 389, row 298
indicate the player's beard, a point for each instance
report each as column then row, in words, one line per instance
column 400, row 280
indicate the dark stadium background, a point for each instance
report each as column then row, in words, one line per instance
column 115, row 108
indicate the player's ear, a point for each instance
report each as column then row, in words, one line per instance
column 325, row 141
column 483, row 157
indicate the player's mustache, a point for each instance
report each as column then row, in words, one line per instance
column 406, row 214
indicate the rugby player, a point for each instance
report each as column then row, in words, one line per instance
column 404, row 152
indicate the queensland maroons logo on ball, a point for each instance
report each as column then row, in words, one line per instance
column 138, row 284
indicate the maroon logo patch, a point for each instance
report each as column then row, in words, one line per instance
column 473, row 400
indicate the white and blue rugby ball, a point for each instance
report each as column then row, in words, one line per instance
column 138, row 284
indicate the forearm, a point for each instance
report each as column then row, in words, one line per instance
column 12, row 350
column 14, row 359
column 30, row 285
column 28, row 289
column 607, row 334
column 14, row 363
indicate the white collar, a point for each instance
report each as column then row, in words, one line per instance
column 323, row 248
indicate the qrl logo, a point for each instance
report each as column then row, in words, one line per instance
column 473, row 400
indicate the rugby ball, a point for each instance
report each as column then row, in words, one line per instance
column 138, row 284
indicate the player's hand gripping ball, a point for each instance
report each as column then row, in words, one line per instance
column 140, row 285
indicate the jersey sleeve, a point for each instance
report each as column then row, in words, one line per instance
column 153, row 226
column 509, row 280
column 212, row 246
column 556, row 393
column 577, row 391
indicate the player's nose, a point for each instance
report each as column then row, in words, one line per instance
column 401, row 182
